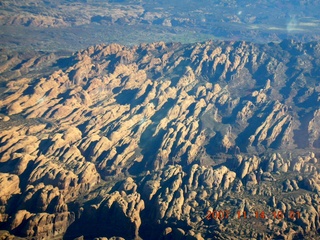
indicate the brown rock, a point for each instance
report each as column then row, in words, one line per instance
column 9, row 185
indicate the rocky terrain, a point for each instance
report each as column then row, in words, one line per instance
column 143, row 141
column 62, row 13
column 76, row 24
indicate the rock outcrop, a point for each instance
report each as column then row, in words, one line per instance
column 119, row 134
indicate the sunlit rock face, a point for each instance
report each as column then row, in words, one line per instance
column 161, row 130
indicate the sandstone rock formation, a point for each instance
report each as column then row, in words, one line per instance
column 154, row 135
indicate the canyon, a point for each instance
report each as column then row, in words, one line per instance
column 141, row 141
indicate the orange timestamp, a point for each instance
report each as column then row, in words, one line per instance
column 277, row 214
